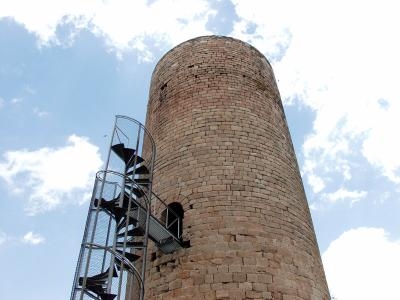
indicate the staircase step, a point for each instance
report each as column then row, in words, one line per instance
column 112, row 206
column 127, row 155
column 130, row 244
column 122, row 224
column 95, row 283
column 105, row 204
column 125, row 203
column 102, row 277
column 129, row 163
column 137, row 192
column 118, row 263
column 139, row 171
column 119, row 149
column 119, row 213
column 130, row 256
column 107, row 296
column 95, row 288
column 132, row 232
column 141, row 181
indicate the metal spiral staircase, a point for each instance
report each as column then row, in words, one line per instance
column 123, row 215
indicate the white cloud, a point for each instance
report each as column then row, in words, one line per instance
column 341, row 60
column 337, row 58
column 29, row 238
column 363, row 263
column 49, row 177
column 265, row 25
column 317, row 183
column 33, row 238
column 125, row 24
column 16, row 100
column 30, row 90
column 3, row 237
column 343, row 194
column 40, row 113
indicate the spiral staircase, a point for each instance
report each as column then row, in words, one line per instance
column 123, row 215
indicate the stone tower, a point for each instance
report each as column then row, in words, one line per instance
column 224, row 154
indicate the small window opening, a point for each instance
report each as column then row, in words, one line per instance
column 153, row 256
column 163, row 92
column 172, row 216
column 186, row 244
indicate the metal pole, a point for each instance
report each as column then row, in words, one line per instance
column 93, row 234
column 85, row 234
column 114, row 246
column 108, row 233
column 148, row 202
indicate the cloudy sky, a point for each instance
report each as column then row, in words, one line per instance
column 68, row 66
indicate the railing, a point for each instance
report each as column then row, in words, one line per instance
column 120, row 219
column 133, row 134
column 99, row 248
column 168, row 211
column 132, row 269
column 155, row 202
column 104, row 243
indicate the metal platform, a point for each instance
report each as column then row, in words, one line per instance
column 166, row 241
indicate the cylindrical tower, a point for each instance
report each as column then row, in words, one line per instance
column 224, row 153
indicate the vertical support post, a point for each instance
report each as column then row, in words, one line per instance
column 82, row 250
column 93, row 233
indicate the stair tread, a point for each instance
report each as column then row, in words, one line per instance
column 137, row 192
column 103, row 275
column 105, row 296
column 140, row 181
column 128, row 155
column 122, row 224
column 130, row 256
column 119, row 150
column 95, row 283
column 95, row 288
column 130, row 161
column 112, row 206
column 132, row 232
column 142, row 170
column 130, row 244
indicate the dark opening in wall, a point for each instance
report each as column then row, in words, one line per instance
column 172, row 216
column 153, row 256
column 186, row 244
column 163, row 92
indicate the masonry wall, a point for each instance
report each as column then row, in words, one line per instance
column 224, row 152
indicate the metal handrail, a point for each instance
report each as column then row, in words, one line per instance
column 145, row 146
column 117, row 129
column 124, row 179
column 120, row 256
column 141, row 126
column 167, row 226
column 147, row 202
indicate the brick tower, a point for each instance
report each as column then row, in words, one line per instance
column 225, row 161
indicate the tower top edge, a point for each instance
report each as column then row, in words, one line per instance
column 205, row 38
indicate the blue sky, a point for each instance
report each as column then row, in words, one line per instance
column 67, row 67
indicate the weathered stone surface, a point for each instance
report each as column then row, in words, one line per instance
column 224, row 152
